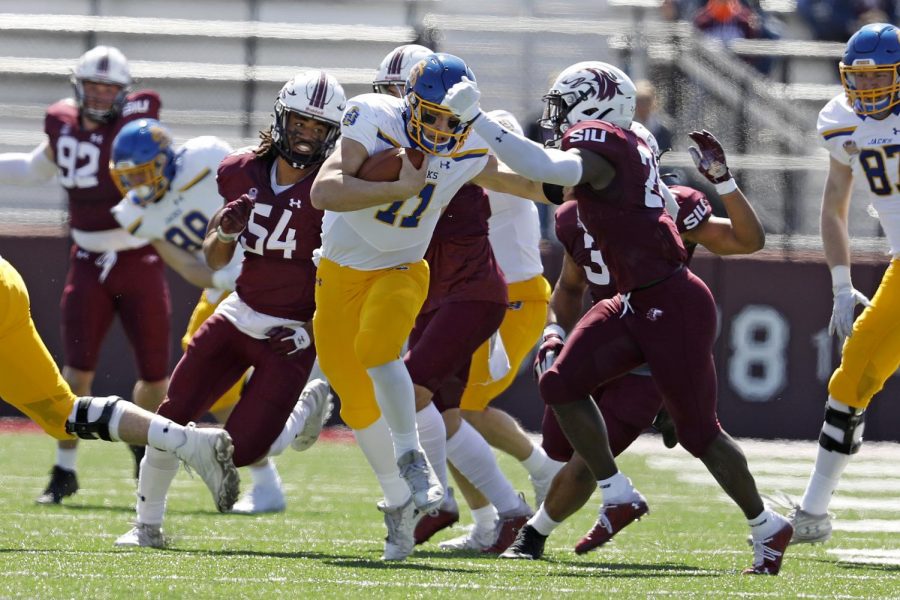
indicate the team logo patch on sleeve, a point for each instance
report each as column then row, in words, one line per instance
column 350, row 116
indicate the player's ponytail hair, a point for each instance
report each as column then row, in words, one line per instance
column 266, row 148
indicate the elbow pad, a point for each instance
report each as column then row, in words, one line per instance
column 528, row 158
column 26, row 168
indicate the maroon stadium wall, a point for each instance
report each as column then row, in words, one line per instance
column 773, row 353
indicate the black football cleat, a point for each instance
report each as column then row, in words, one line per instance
column 63, row 483
column 528, row 545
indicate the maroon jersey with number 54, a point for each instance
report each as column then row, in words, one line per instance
column 628, row 219
column 82, row 158
column 278, row 275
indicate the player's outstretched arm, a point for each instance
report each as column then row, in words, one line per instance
column 742, row 232
column 337, row 188
column 27, row 168
column 498, row 177
column 191, row 269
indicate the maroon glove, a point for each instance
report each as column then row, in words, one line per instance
column 234, row 217
column 709, row 156
column 551, row 345
column 288, row 340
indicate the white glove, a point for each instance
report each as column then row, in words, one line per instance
column 463, row 99
column 846, row 297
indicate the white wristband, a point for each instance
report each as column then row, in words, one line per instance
column 726, row 187
column 840, row 277
column 226, row 238
column 554, row 329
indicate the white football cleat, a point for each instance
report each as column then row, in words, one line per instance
column 401, row 523
column 541, row 485
column 261, row 499
column 317, row 397
column 808, row 528
column 208, row 451
column 142, row 536
column 427, row 491
column 476, row 539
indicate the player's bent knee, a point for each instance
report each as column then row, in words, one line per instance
column 359, row 417
column 94, row 417
column 698, row 440
column 554, row 389
column 373, row 350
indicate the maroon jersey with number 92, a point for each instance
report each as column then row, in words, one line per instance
column 82, row 158
column 278, row 275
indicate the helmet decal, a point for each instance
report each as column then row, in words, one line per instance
column 606, row 85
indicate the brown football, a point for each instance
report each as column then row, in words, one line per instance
column 385, row 165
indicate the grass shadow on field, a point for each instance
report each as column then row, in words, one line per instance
column 410, row 564
column 99, row 508
column 255, row 553
column 599, row 569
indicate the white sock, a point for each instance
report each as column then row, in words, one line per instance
column 542, row 522
column 65, row 458
column 165, row 434
column 375, row 443
column 765, row 525
column 485, row 518
column 433, row 437
column 295, row 422
column 616, row 489
column 473, row 457
column 158, row 469
column 827, row 471
column 537, row 462
column 824, row 480
column 265, row 476
column 397, row 400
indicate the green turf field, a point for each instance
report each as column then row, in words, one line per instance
column 328, row 543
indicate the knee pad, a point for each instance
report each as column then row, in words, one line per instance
column 91, row 417
column 842, row 431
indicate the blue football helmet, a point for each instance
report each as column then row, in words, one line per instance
column 426, row 87
column 872, row 51
column 143, row 161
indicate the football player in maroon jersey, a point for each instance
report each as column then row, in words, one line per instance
column 629, row 403
column 110, row 271
column 266, row 322
column 663, row 315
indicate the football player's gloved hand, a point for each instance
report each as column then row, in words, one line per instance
column 551, row 345
column 463, row 99
column 709, row 157
column 233, row 219
column 846, row 297
column 288, row 340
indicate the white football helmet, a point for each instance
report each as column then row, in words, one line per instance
column 316, row 95
column 102, row 64
column 395, row 67
column 508, row 120
column 590, row 90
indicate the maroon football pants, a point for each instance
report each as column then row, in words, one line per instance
column 671, row 326
column 216, row 358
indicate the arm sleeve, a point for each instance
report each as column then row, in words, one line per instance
column 27, row 168
column 528, row 158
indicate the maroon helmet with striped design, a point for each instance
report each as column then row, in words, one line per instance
column 395, row 67
column 316, row 95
